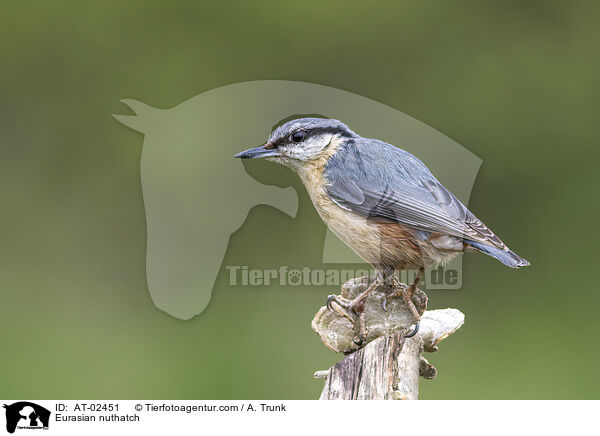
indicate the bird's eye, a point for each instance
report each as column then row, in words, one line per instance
column 298, row 136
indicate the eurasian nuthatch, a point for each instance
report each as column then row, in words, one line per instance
column 381, row 201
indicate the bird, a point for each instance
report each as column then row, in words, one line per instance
column 381, row 201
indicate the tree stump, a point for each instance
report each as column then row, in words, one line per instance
column 387, row 365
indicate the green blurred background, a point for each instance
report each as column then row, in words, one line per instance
column 514, row 82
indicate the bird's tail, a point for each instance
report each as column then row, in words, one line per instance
column 507, row 257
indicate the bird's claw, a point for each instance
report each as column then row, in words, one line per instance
column 415, row 331
column 330, row 299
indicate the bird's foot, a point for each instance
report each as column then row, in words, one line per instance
column 352, row 309
column 342, row 306
column 406, row 292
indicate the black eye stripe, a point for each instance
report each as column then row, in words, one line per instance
column 311, row 132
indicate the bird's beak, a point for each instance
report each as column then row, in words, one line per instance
column 266, row 150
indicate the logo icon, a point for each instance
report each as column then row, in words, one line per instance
column 26, row 415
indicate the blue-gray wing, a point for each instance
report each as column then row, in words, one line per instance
column 380, row 181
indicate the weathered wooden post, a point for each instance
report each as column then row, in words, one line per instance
column 389, row 365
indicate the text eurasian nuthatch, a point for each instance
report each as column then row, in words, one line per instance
column 382, row 201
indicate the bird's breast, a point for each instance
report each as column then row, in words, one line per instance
column 373, row 243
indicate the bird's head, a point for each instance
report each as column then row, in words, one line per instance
column 300, row 141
